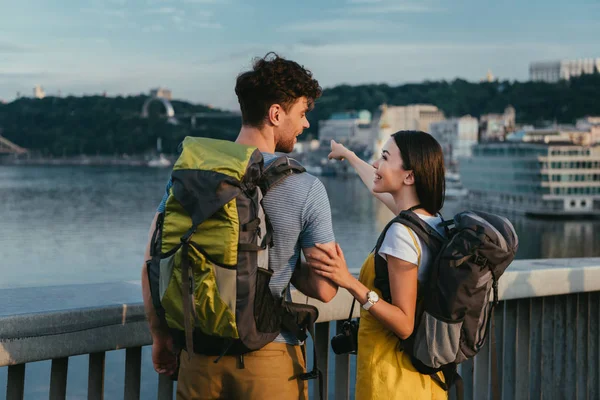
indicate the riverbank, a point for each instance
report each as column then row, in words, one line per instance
column 132, row 161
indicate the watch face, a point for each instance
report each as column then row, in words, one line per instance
column 373, row 297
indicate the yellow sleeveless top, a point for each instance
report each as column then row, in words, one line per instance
column 384, row 372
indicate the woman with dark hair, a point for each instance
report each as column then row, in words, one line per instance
column 409, row 175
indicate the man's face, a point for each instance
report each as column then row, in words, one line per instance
column 292, row 125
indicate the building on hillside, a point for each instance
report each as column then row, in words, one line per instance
column 559, row 134
column 390, row 119
column 350, row 127
column 554, row 71
column 38, row 92
column 457, row 137
column 161, row 92
column 587, row 122
column 495, row 127
column 489, row 77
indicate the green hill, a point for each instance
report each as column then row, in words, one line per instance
column 101, row 125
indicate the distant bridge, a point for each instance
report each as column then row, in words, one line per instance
column 168, row 107
column 8, row 147
column 170, row 112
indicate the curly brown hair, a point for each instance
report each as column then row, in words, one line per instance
column 273, row 80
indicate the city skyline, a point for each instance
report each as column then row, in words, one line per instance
column 197, row 47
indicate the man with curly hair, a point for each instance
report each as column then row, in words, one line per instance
column 274, row 98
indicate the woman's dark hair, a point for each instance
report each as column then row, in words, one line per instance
column 273, row 80
column 422, row 154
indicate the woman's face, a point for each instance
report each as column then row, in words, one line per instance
column 390, row 177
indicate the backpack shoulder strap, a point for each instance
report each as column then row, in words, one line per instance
column 432, row 239
column 277, row 170
column 382, row 277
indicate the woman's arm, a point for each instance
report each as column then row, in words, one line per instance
column 365, row 170
column 398, row 316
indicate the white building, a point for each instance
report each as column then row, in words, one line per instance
column 457, row 137
column 588, row 122
column 161, row 92
column 554, row 71
column 560, row 134
column 494, row 127
column 38, row 92
column 415, row 117
column 347, row 127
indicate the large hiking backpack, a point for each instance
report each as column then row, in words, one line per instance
column 456, row 300
column 209, row 273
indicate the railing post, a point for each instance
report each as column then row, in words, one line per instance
column 594, row 346
column 16, row 382
column 481, row 372
column 165, row 387
column 96, row 376
column 570, row 346
column 536, row 317
column 559, row 351
column 593, row 343
column 465, row 370
column 582, row 353
column 509, row 349
column 322, row 347
column 133, row 367
column 523, row 351
column 58, row 378
column 342, row 371
column 547, row 373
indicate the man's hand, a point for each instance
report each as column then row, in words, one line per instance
column 163, row 357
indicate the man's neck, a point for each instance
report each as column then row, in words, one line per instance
column 259, row 138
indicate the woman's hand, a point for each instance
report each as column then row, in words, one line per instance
column 331, row 264
column 338, row 151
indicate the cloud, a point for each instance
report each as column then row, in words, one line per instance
column 13, row 48
column 337, row 25
column 364, row 1
column 205, row 1
column 107, row 12
column 383, row 7
column 22, row 75
column 164, row 10
column 155, row 28
column 207, row 25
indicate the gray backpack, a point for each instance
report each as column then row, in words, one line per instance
column 456, row 300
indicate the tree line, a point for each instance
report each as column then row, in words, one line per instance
column 96, row 125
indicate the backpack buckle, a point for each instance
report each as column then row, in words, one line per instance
column 479, row 260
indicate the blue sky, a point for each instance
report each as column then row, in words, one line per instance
column 197, row 47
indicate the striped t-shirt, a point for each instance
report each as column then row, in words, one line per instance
column 299, row 210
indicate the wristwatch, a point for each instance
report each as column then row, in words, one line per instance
column 372, row 298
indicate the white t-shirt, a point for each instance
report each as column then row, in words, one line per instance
column 402, row 242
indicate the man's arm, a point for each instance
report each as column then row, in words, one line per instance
column 317, row 228
column 163, row 358
column 158, row 327
column 311, row 284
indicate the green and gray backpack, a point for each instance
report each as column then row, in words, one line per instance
column 209, row 273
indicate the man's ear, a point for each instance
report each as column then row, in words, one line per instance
column 274, row 114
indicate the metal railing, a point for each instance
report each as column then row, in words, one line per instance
column 547, row 331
